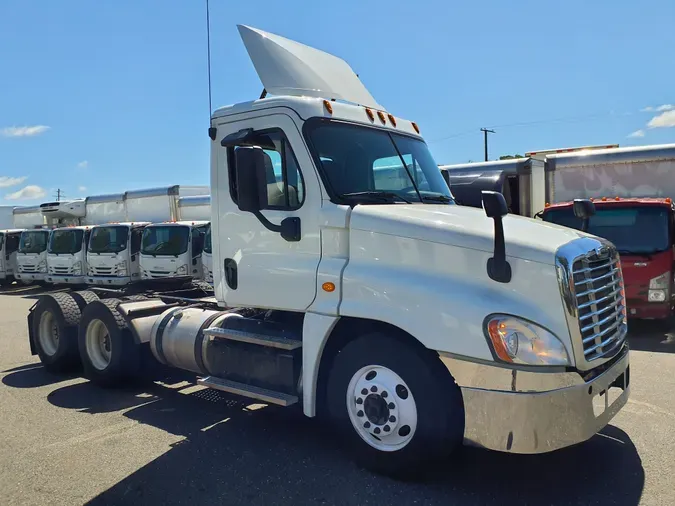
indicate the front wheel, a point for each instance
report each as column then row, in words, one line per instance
column 394, row 407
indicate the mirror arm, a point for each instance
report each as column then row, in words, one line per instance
column 497, row 267
column 289, row 227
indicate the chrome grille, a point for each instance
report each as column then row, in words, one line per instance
column 29, row 268
column 102, row 271
column 160, row 274
column 61, row 270
column 600, row 301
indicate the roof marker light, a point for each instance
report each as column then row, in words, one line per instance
column 548, row 204
column 328, row 106
column 392, row 120
column 380, row 115
column 668, row 200
column 604, row 199
column 370, row 114
column 414, row 125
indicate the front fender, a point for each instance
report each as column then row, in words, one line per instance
column 441, row 294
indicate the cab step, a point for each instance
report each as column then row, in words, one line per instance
column 262, row 394
column 243, row 336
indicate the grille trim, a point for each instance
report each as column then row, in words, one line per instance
column 591, row 284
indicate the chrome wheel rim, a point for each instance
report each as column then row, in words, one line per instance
column 382, row 408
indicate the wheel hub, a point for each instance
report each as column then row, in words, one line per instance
column 376, row 409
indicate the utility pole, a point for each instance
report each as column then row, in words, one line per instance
column 485, row 132
column 59, row 194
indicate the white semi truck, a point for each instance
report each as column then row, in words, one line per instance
column 114, row 257
column 410, row 323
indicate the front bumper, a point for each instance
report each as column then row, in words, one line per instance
column 66, row 279
column 31, row 276
column 108, row 280
column 533, row 412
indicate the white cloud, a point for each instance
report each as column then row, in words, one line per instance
column 663, row 120
column 7, row 181
column 82, row 188
column 637, row 133
column 24, row 131
column 83, row 164
column 27, row 193
column 660, row 108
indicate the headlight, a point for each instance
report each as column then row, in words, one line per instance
column 656, row 295
column 121, row 268
column 42, row 266
column 77, row 267
column 183, row 269
column 518, row 341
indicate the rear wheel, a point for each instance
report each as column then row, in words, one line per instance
column 107, row 349
column 55, row 321
column 84, row 297
column 394, row 407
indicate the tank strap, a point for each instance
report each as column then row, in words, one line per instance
column 199, row 341
column 160, row 334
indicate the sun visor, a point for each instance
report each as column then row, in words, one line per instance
column 286, row 67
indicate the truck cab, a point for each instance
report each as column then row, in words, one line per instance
column 67, row 255
column 207, row 258
column 32, row 255
column 642, row 231
column 172, row 250
column 9, row 246
column 113, row 257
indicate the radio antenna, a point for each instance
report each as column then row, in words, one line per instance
column 212, row 133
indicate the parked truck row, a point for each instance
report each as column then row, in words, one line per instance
column 109, row 240
column 349, row 282
column 632, row 188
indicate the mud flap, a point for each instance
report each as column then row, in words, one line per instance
column 31, row 337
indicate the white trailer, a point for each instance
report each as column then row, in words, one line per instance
column 409, row 323
column 6, row 217
column 196, row 208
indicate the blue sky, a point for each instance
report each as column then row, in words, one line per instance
column 103, row 96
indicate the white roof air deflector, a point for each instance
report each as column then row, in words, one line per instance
column 286, row 67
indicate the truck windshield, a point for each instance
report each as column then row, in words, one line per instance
column 207, row 241
column 636, row 229
column 165, row 240
column 65, row 241
column 369, row 165
column 109, row 239
column 33, row 242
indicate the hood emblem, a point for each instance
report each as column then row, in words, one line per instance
column 640, row 264
column 602, row 252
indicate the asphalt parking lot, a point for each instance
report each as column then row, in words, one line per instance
column 168, row 441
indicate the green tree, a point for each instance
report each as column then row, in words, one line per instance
column 510, row 157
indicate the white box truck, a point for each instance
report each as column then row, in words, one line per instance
column 114, row 255
column 31, row 259
column 409, row 323
column 6, row 217
column 9, row 247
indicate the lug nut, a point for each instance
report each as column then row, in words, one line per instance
column 391, row 405
column 385, row 394
column 359, row 414
column 359, row 401
column 364, row 391
column 373, row 388
column 386, row 428
column 377, row 430
column 367, row 425
column 392, row 418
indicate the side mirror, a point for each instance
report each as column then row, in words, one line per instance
column 251, row 186
column 494, row 205
column 583, row 209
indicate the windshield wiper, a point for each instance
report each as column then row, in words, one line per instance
column 382, row 196
column 438, row 198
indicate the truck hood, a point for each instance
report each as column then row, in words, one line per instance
column 464, row 227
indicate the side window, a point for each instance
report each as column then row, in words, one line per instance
column 285, row 186
column 136, row 235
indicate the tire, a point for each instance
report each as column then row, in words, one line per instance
column 429, row 392
column 55, row 321
column 84, row 297
column 112, row 360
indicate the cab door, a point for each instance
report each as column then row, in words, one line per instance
column 254, row 266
